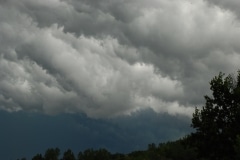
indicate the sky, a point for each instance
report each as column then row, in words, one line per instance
column 117, row 74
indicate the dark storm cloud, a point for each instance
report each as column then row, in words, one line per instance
column 34, row 133
column 109, row 57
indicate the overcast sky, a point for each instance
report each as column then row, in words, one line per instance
column 112, row 60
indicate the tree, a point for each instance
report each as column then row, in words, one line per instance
column 217, row 124
column 237, row 147
column 68, row 155
column 80, row 156
column 102, row 154
column 52, row 154
column 88, row 154
column 38, row 157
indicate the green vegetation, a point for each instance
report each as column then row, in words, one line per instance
column 217, row 124
column 164, row 151
column 217, row 135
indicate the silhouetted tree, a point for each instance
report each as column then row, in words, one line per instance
column 217, row 124
column 52, row 154
column 38, row 157
column 88, row 154
column 80, row 156
column 68, row 155
column 118, row 156
column 102, row 154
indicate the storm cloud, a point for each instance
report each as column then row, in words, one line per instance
column 33, row 133
column 111, row 58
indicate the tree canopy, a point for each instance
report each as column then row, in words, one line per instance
column 52, row 154
column 217, row 123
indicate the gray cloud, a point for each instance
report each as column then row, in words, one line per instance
column 109, row 58
column 230, row 6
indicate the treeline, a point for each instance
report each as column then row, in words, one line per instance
column 164, row 151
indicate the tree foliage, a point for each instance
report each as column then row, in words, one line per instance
column 52, row 154
column 38, row 157
column 68, row 155
column 90, row 154
column 217, row 124
column 164, row 151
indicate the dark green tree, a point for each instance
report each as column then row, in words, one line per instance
column 237, row 147
column 118, row 156
column 88, row 154
column 152, row 152
column 217, row 123
column 80, row 156
column 102, row 154
column 68, row 155
column 52, row 154
column 38, row 157
column 177, row 150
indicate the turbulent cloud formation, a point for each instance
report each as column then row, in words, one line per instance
column 111, row 57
